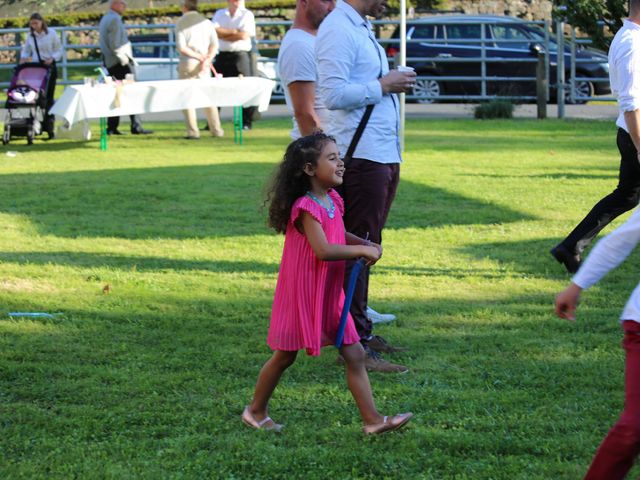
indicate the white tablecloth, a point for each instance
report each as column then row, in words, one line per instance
column 82, row 102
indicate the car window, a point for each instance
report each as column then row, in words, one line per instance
column 425, row 32
column 464, row 32
column 146, row 51
column 507, row 32
column 538, row 35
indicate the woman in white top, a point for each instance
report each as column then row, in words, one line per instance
column 43, row 46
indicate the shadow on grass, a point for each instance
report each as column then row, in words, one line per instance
column 117, row 377
column 559, row 176
column 40, row 145
column 421, row 206
column 227, row 336
column 134, row 263
column 530, row 257
column 196, row 202
column 500, row 140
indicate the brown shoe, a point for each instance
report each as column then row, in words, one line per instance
column 373, row 362
column 379, row 344
column 388, row 424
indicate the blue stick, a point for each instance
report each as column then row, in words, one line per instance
column 33, row 314
column 348, row 297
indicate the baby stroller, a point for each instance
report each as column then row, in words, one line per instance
column 27, row 104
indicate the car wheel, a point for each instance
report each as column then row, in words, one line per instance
column 583, row 88
column 427, row 91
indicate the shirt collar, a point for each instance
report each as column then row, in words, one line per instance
column 629, row 24
column 239, row 11
column 351, row 13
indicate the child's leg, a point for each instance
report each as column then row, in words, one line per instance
column 358, row 382
column 616, row 454
column 268, row 380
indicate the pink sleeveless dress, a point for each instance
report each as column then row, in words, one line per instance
column 309, row 296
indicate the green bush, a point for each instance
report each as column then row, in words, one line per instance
column 94, row 17
column 585, row 15
column 494, row 109
column 275, row 8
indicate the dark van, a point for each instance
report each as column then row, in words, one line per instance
column 458, row 40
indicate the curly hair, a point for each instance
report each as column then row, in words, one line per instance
column 289, row 181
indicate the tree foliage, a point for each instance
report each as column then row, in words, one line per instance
column 587, row 15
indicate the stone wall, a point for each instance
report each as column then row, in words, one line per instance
column 525, row 9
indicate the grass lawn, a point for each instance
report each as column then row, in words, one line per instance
column 149, row 379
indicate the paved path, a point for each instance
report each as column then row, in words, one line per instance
column 597, row 111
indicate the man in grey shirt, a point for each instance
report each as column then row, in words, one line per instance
column 118, row 57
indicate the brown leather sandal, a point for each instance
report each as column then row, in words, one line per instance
column 388, row 424
column 265, row 424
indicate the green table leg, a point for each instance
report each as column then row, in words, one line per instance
column 103, row 134
column 237, row 125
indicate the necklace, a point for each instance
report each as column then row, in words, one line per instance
column 330, row 210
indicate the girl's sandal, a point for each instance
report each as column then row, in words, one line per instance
column 264, row 424
column 388, row 424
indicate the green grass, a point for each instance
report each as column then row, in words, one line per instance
column 149, row 380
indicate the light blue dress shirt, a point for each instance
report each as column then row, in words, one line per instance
column 624, row 69
column 350, row 61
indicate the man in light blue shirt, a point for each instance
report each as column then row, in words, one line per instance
column 353, row 72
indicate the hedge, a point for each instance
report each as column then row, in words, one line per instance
column 173, row 11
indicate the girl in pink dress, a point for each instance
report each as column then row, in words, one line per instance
column 309, row 297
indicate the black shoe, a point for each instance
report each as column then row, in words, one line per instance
column 570, row 260
column 141, row 131
column 114, row 132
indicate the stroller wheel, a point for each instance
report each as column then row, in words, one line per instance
column 6, row 136
column 30, row 135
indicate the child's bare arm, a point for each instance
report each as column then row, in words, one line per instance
column 356, row 240
column 331, row 251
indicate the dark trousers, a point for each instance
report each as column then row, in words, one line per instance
column 625, row 197
column 48, row 120
column 619, row 449
column 232, row 64
column 368, row 191
column 118, row 72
